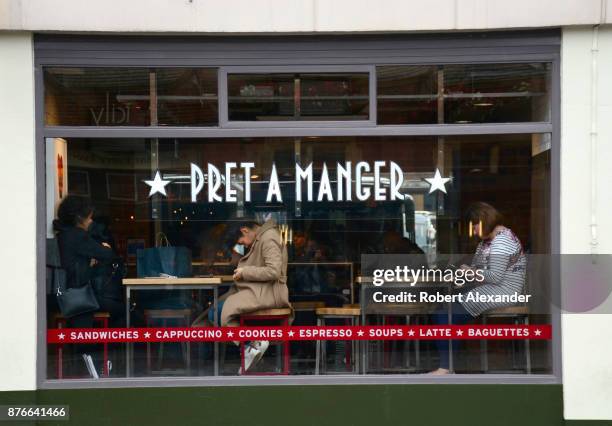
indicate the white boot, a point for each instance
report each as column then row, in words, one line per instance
column 253, row 352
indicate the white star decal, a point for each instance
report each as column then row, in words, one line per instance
column 230, row 334
column 157, row 185
column 360, row 333
column 437, row 182
column 61, row 336
column 459, row 332
column 410, row 332
column 291, row 333
column 147, row 335
column 537, row 332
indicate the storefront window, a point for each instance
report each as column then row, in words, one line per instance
column 407, row 94
column 130, row 96
column 305, row 96
column 326, row 234
column 463, row 94
column 352, row 166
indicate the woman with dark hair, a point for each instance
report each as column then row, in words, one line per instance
column 500, row 257
column 86, row 260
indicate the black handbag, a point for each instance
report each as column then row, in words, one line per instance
column 76, row 300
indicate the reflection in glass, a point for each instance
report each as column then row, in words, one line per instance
column 496, row 93
column 463, row 94
column 97, row 96
column 304, row 96
column 325, row 239
column 407, row 94
column 187, row 96
column 122, row 96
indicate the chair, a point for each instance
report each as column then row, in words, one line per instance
column 520, row 314
column 349, row 313
column 165, row 315
column 281, row 315
column 60, row 322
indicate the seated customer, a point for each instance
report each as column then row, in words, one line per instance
column 86, row 260
column 500, row 256
column 260, row 279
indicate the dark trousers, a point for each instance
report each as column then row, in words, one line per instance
column 116, row 309
column 459, row 316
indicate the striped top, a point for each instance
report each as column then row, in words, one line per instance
column 504, row 266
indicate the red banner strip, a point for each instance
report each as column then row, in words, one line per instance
column 240, row 334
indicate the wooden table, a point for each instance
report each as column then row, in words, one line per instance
column 153, row 283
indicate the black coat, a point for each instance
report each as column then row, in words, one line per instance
column 77, row 248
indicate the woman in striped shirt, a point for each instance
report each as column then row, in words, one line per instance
column 500, row 257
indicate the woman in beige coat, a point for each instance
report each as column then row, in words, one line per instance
column 260, row 280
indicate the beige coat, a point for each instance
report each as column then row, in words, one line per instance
column 264, row 277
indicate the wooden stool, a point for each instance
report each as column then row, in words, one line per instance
column 518, row 314
column 307, row 306
column 183, row 315
column 351, row 314
column 60, row 322
column 279, row 314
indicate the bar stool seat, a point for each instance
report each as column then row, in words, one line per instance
column 307, row 306
column 338, row 312
column 60, row 322
column 350, row 313
column 281, row 315
column 269, row 312
column 180, row 315
column 519, row 314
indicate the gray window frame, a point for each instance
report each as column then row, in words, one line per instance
column 224, row 121
column 345, row 53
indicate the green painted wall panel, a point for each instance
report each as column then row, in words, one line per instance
column 448, row 405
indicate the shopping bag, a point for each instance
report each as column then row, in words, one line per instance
column 159, row 261
column 163, row 259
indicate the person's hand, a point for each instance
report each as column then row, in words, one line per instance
column 466, row 267
column 93, row 262
column 107, row 245
column 237, row 274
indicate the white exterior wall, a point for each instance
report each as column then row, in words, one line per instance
column 18, row 214
column 587, row 374
column 587, row 347
column 248, row 16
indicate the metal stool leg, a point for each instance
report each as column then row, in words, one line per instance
column 484, row 355
column 318, row 351
column 417, row 347
column 287, row 355
column 187, row 348
column 323, row 352
column 147, row 324
column 355, row 348
column 105, row 368
column 527, row 350
column 60, row 352
column 160, row 353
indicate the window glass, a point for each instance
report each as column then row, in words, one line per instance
column 257, row 97
column 496, row 93
column 187, row 96
column 463, row 94
column 304, row 96
column 407, row 94
column 122, row 96
column 326, row 235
